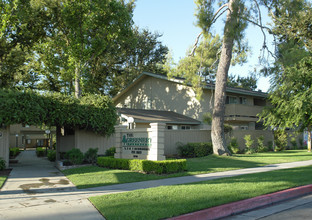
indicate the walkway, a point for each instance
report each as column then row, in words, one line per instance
column 37, row 190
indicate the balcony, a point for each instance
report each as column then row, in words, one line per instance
column 240, row 112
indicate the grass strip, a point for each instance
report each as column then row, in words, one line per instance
column 86, row 177
column 169, row 201
column 2, row 180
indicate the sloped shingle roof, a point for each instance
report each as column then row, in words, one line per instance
column 153, row 116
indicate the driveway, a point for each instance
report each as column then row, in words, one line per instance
column 35, row 189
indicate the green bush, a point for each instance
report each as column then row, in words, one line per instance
column 249, row 144
column 51, row 155
column 75, row 156
column 2, row 164
column 146, row 166
column 14, row 151
column 40, row 152
column 260, row 145
column 293, row 142
column 91, row 155
column 280, row 138
column 110, row 151
column 301, row 143
column 233, row 147
column 190, row 150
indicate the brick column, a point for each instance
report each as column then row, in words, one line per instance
column 157, row 149
column 119, row 130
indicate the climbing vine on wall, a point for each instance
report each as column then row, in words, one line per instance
column 91, row 112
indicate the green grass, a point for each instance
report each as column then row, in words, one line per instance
column 168, row 201
column 2, row 180
column 86, row 177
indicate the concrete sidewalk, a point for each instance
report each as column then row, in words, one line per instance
column 37, row 190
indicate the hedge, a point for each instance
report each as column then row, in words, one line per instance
column 190, row 150
column 91, row 112
column 146, row 166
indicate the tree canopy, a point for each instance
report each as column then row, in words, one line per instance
column 290, row 93
column 74, row 46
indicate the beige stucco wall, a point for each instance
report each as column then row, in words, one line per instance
column 165, row 95
column 87, row 139
column 177, row 97
column 172, row 137
column 4, row 144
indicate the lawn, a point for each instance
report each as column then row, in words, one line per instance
column 2, row 180
column 168, row 201
column 86, row 177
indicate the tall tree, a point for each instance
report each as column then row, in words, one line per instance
column 21, row 26
column 291, row 90
column 234, row 25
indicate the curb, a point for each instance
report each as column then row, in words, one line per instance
column 245, row 205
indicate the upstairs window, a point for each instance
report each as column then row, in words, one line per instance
column 231, row 100
column 242, row 100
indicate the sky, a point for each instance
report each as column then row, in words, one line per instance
column 175, row 20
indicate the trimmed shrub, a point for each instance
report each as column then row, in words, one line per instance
column 40, row 152
column 190, row 150
column 2, row 164
column 146, row 166
column 51, row 155
column 233, row 147
column 113, row 163
column 14, row 151
column 75, row 156
column 91, row 155
column 110, row 151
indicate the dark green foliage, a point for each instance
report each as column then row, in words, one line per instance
column 280, row 138
column 110, row 151
column 75, row 156
column 146, row 166
column 260, row 145
column 91, row 155
column 114, row 163
column 190, row 150
column 293, row 142
column 14, row 151
column 92, row 112
column 51, row 155
column 233, row 147
column 40, row 152
column 2, row 164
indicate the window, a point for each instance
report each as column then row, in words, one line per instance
column 231, row 100
column 242, row 100
column 185, row 127
column 172, row 127
column 259, row 102
column 244, row 127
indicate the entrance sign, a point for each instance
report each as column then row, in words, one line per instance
column 145, row 144
column 136, row 143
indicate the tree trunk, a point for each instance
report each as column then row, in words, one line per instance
column 309, row 139
column 77, row 83
column 217, row 130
